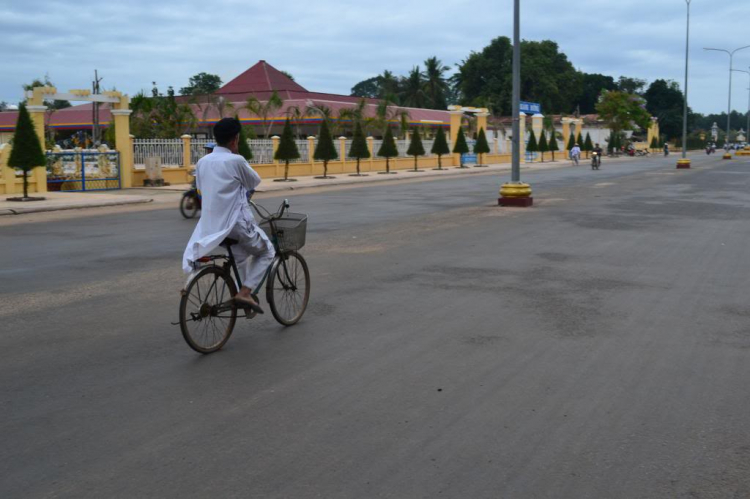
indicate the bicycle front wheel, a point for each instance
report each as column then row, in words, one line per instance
column 207, row 315
column 288, row 288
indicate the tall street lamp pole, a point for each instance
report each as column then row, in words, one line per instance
column 747, row 130
column 684, row 162
column 516, row 193
column 729, row 106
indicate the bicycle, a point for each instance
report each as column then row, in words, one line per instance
column 207, row 311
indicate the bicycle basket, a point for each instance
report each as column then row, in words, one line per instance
column 291, row 231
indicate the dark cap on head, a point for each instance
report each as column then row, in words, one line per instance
column 226, row 129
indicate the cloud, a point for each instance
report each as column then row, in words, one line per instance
column 330, row 46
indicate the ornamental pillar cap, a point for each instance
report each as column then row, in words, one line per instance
column 185, row 136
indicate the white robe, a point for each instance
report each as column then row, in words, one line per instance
column 224, row 180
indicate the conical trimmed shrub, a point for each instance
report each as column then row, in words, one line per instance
column 27, row 152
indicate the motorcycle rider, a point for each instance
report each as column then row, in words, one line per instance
column 666, row 149
column 598, row 151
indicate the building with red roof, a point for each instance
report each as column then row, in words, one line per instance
column 259, row 82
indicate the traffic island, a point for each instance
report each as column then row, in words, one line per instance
column 683, row 163
column 515, row 194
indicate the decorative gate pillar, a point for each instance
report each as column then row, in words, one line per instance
column 537, row 124
column 566, row 131
column 121, row 116
column 522, row 138
column 579, row 129
column 482, row 119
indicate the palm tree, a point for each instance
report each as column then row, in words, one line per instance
column 413, row 94
column 296, row 114
column 436, row 87
column 388, row 86
column 264, row 109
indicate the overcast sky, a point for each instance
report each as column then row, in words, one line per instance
column 331, row 45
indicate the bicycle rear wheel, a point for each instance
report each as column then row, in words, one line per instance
column 288, row 288
column 206, row 318
column 189, row 205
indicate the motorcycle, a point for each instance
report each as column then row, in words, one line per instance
column 596, row 161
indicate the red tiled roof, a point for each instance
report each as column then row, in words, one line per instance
column 260, row 81
column 262, row 77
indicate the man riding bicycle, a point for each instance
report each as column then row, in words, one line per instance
column 224, row 180
column 575, row 153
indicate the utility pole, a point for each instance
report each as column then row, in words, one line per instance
column 684, row 162
column 516, row 193
column 95, row 130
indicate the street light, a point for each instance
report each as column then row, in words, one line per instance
column 747, row 130
column 684, row 162
column 729, row 106
column 516, row 193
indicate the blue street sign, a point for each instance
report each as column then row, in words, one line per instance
column 531, row 107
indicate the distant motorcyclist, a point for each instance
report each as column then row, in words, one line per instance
column 666, row 149
column 596, row 158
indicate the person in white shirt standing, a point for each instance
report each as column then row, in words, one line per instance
column 224, row 180
column 575, row 153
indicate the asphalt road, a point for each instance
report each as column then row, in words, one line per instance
column 596, row 345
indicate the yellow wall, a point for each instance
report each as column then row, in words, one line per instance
column 267, row 171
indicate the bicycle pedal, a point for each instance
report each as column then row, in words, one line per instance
column 250, row 313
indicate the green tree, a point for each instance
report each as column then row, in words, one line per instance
column 547, row 77
column 665, row 100
column 27, row 152
column 654, row 144
column 325, row 150
column 413, row 90
column 244, row 147
column 532, row 145
column 369, row 88
column 592, row 85
column 588, row 146
column 416, row 148
column 579, row 140
column 553, row 147
column 630, row 85
column 388, row 149
column 440, row 147
column 481, row 146
column 622, row 111
column 611, row 143
column 436, row 87
column 461, row 147
column 265, row 109
column 543, row 146
column 358, row 149
column 287, row 150
column 201, row 84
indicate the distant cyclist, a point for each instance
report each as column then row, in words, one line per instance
column 575, row 153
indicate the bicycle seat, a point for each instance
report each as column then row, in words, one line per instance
column 228, row 242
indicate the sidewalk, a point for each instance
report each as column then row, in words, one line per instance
column 56, row 201
column 271, row 185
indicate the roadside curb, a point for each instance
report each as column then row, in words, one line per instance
column 25, row 211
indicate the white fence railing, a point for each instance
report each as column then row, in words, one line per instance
column 170, row 150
